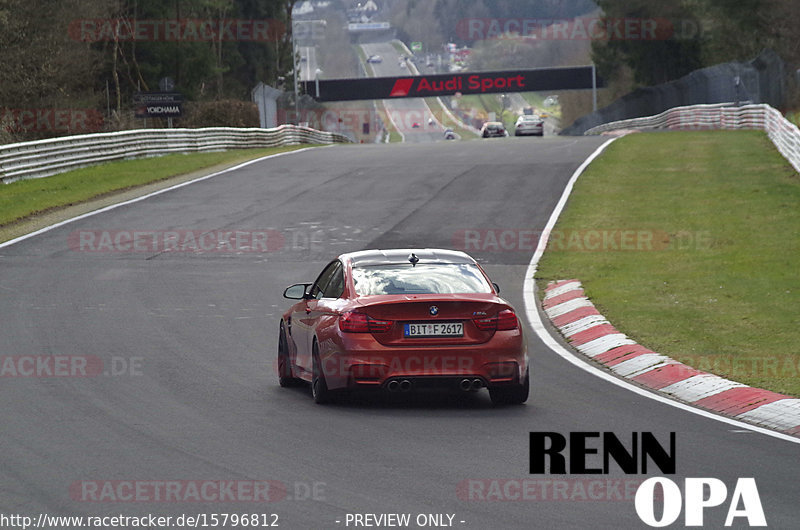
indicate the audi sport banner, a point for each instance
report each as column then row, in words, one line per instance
column 539, row 79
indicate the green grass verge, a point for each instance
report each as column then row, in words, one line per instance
column 536, row 100
column 447, row 121
column 715, row 281
column 25, row 198
column 399, row 47
column 490, row 103
column 362, row 57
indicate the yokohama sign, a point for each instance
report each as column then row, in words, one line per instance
column 540, row 79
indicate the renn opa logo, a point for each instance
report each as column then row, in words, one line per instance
column 547, row 455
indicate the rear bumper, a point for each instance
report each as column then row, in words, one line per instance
column 529, row 132
column 365, row 363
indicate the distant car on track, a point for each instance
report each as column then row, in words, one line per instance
column 374, row 59
column 493, row 129
column 449, row 134
column 529, row 124
column 400, row 320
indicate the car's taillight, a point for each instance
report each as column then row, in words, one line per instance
column 505, row 320
column 352, row 322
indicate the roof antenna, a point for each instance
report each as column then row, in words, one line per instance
column 413, row 259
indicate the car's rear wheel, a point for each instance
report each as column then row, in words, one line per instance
column 285, row 377
column 511, row 395
column 319, row 387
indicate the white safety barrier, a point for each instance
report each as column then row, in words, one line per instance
column 783, row 133
column 43, row 158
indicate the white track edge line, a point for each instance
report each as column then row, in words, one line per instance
column 147, row 196
column 535, row 321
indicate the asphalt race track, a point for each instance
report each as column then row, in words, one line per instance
column 188, row 339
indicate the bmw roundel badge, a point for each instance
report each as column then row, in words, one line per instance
column 434, row 310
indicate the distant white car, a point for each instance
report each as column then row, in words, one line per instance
column 529, row 124
column 374, row 59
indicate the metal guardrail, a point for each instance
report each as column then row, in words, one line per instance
column 783, row 133
column 44, row 158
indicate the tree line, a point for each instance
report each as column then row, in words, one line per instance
column 695, row 34
column 95, row 54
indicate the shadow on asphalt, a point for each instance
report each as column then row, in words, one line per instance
column 427, row 399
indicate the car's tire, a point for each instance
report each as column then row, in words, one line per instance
column 285, row 376
column 513, row 394
column 319, row 387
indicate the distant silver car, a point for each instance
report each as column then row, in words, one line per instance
column 374, row 59
column 529, row 124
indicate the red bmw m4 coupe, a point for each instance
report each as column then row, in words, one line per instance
column 403, row 319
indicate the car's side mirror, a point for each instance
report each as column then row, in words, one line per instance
column 297, row 291
column 496, row 287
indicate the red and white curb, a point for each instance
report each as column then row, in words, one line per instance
column 591, row 334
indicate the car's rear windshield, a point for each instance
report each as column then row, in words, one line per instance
column 424, row 278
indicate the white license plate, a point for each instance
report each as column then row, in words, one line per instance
column 434, row 329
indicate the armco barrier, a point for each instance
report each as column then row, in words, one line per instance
column 43, row 158
column 783, row 133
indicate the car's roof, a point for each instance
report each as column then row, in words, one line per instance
column 365, row 258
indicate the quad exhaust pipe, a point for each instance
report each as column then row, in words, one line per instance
column 466, row 385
